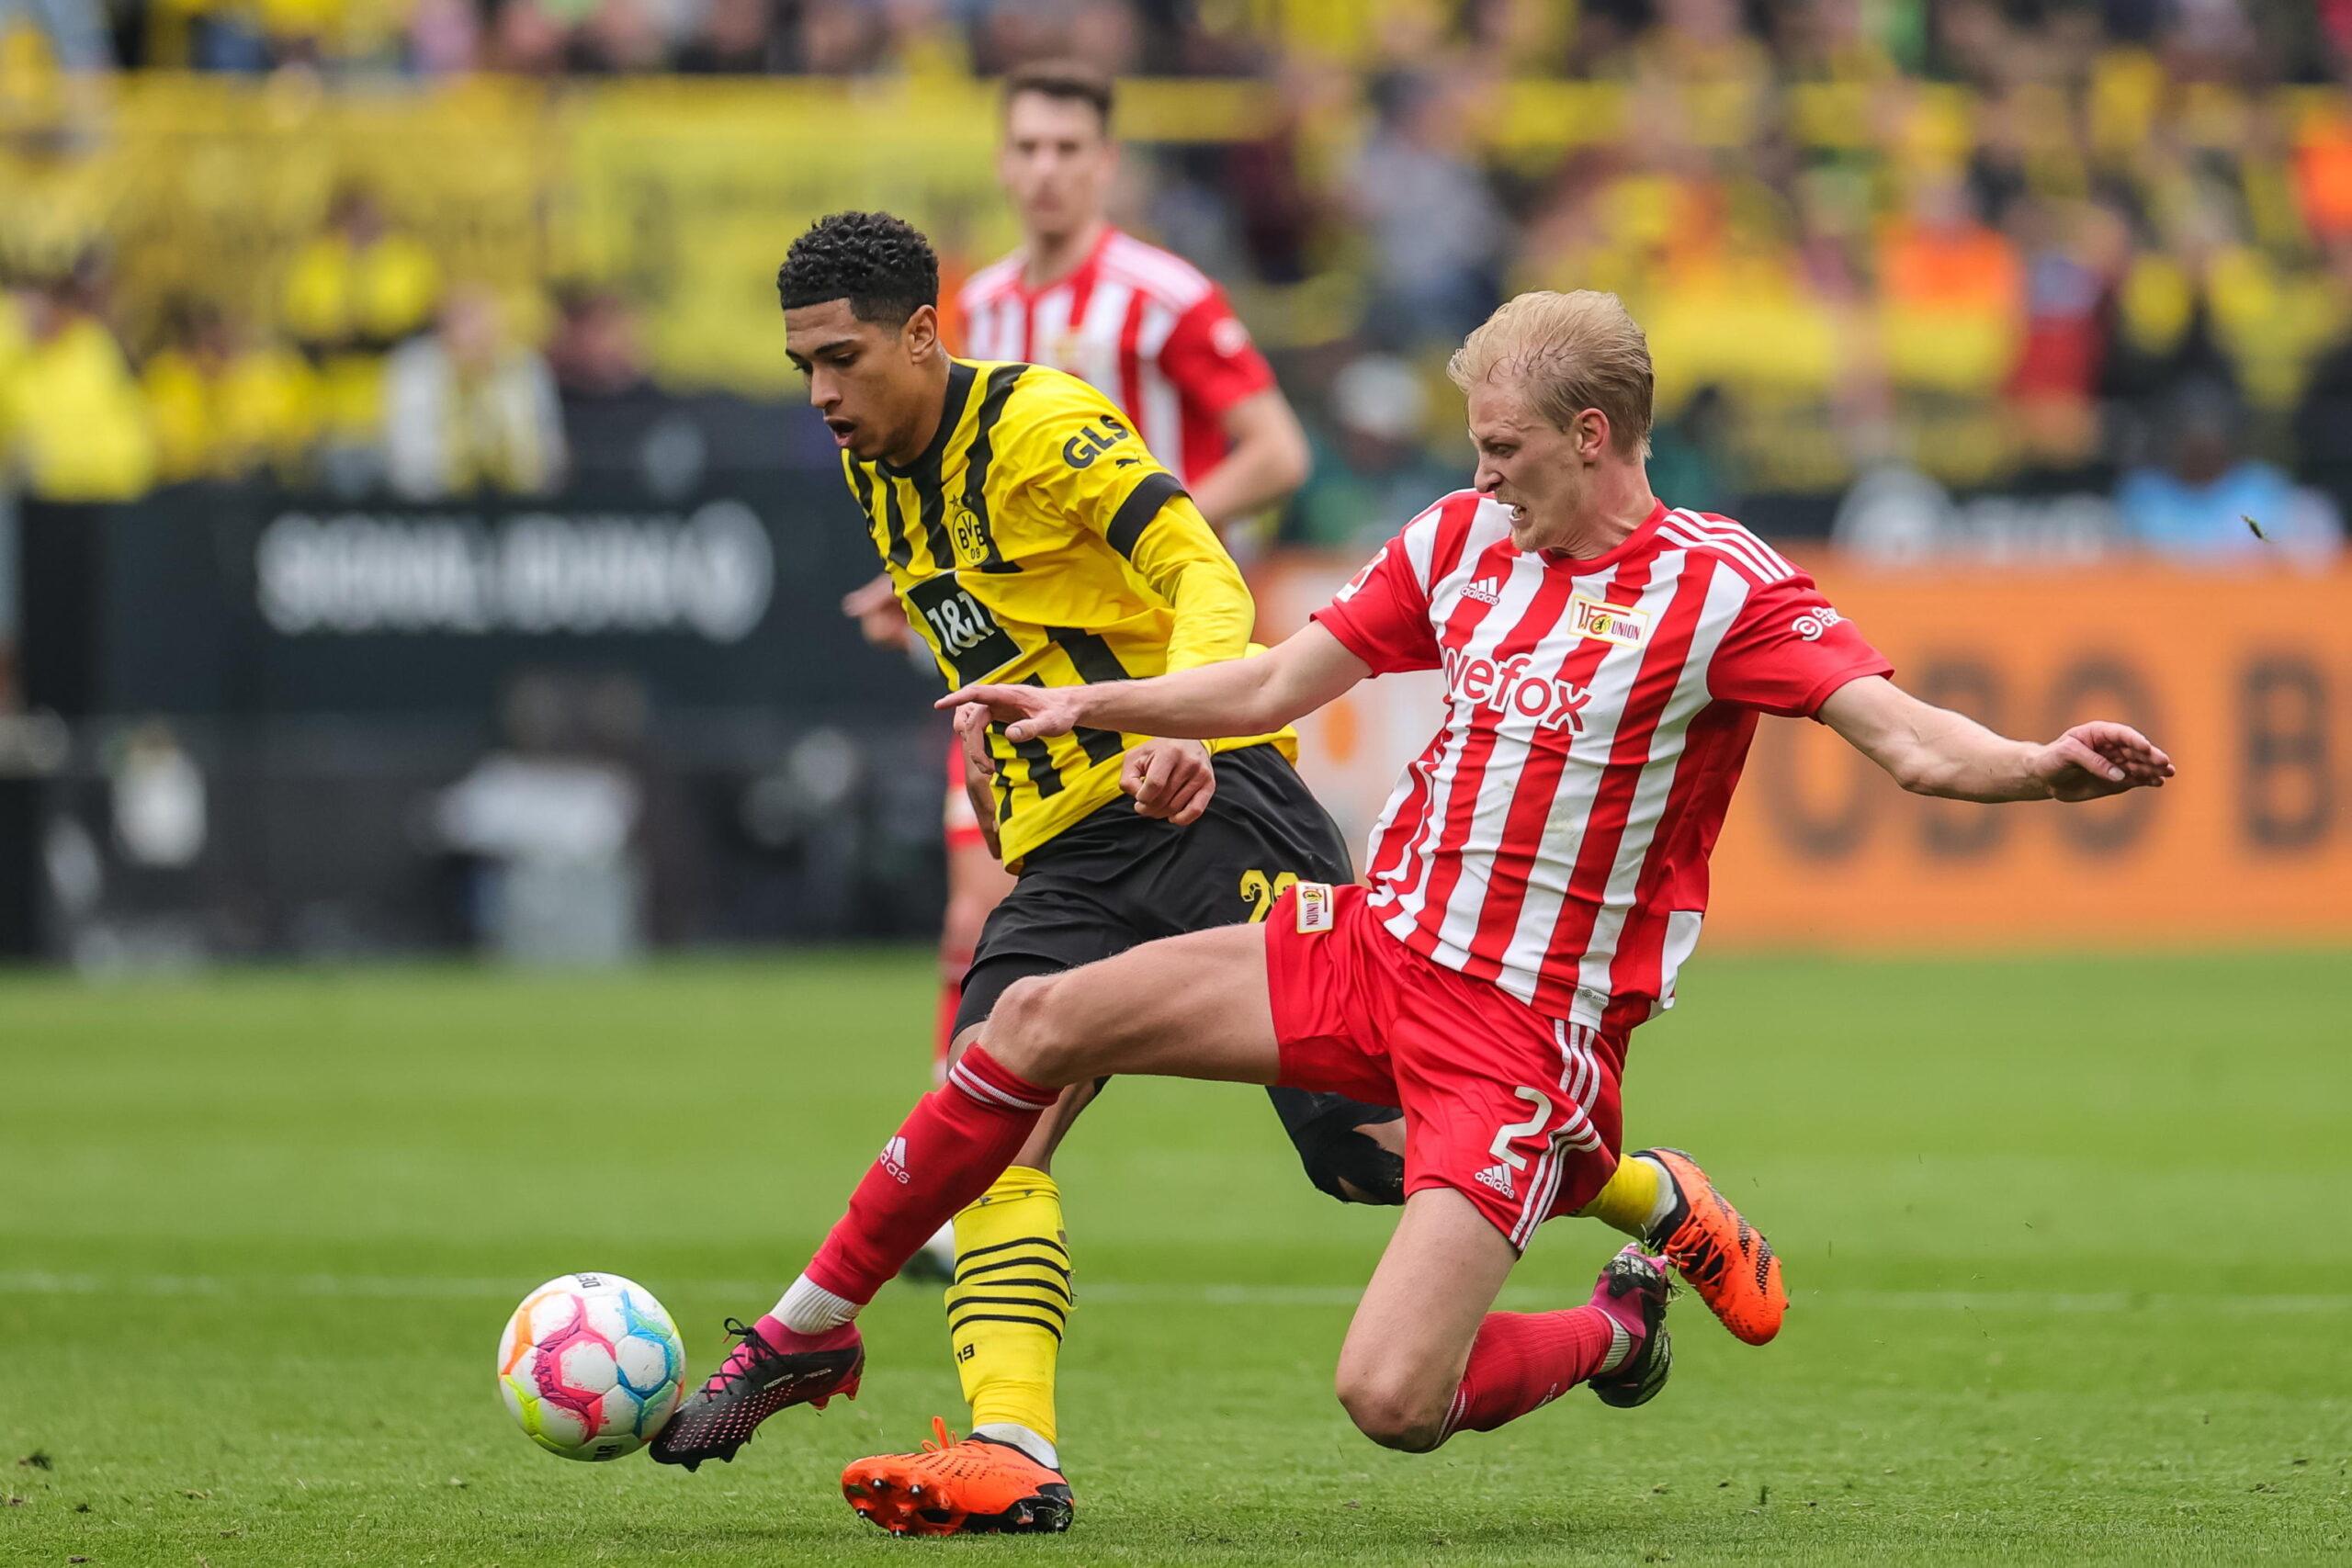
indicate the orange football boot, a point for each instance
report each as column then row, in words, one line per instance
column 1719, row 1255
column 958, row 1486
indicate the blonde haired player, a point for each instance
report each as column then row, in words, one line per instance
column 1039, row 541
column 1537, row 884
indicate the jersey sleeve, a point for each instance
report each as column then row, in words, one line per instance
column 1210, row 357
column 1094, row 470
column 1383, row 615
column 1789, row 650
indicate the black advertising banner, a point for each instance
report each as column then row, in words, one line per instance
column 248, row 601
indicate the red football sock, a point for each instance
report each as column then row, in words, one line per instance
column 959, row 1139
column 1524, row 1359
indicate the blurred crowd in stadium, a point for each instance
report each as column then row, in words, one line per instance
column 1993, row 41
column 2097, row 245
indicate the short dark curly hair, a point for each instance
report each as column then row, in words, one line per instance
column 881, row 265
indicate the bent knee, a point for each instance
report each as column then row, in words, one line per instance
column 1027, row 1033
column 1395, row 1415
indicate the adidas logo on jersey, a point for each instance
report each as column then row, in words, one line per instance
column 1487, row 591
column 894, row 1160
column 1498, row 1177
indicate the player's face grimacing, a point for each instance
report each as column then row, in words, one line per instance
column 1531, row 466
column 869, row 379
column 1055, row 163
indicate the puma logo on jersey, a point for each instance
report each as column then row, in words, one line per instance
column 1487, row 591
column 1508, row 689
column 1498, row 1177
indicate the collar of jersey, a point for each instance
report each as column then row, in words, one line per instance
column 1580, row 565
column 1020, row 274
column 960, row 375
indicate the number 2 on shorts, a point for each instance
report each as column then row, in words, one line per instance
column 1501, row 1148
column 1259, row 891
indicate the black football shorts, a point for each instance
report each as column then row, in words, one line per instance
column 1115, row 879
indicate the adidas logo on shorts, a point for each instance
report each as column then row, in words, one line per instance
column 1487, row 591
column 1498, row 1177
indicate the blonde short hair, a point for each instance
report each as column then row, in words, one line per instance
column 1567, row 353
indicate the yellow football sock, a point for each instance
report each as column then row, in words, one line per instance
column 1631, row 1200
column 1011, row 1300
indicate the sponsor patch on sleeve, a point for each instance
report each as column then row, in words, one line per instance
column 1313, row 900
column 1811, row 624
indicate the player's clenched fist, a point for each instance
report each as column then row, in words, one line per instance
column 1171, row 779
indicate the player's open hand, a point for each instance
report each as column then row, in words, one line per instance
column 1170, row 779
column 1027, row 713
column 2100, row 758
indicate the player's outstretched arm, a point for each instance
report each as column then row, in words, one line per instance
column 1932, row 751
column 1237, row 696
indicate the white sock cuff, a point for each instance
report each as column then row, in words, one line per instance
column 1029, row 1442
column 1621, row 1346
column 810, row 1308
column 1667, row 1193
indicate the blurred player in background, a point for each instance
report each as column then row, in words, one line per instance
column 1147, row 329
column 1142, row 324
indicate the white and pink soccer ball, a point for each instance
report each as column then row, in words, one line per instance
column 591, row 1366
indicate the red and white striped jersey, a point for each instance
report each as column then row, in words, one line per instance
column 1140, row 323
column 1553, row 837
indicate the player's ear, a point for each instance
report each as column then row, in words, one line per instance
column 1590, row 433
column 921, row 335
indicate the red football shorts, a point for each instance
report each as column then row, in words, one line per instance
column 1515, row 1111
column 963, row 827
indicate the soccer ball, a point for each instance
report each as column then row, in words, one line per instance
column 591, row 1365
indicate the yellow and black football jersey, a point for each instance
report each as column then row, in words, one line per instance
column 1038, row 541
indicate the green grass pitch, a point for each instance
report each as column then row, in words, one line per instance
column 2068, row 1241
